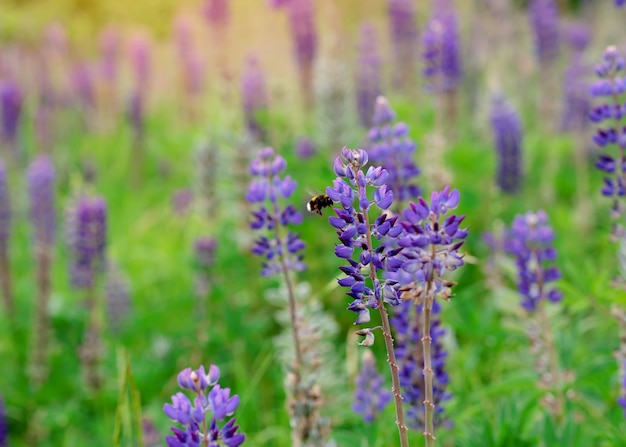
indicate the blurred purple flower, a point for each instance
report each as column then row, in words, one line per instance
column 253, row 96
column 442, row 55
column 305, row 147
column 368, row 76
column 370, row 396
column 136, row 115
column 110, row 49
column 404, row 39
column 10, row 110
column 544, row 21
column 5, row 208
column 531, row 241
column 620, row 3
column 216, row 12
column 83, row 86
column 507, row 135
column 577, row 35
column 4, row 426
column 140, row 54
column 88, row 240
column 576, row 98
column 182, row 201
column 301, row 15
column 117, row 297
column 40, row 177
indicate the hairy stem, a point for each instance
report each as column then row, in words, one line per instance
column 429, row 404
column 391, row 356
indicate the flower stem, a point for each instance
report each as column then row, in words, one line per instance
column 429, row 404
column 391, row 356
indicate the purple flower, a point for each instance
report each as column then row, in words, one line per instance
column 136, row 115
column 40, row 177
column 110, row 48
column 431, row 243
column 531, row 241
column 204, row 249
column 5, row 208
column 391, row 147
column 117, row 297
column 368, row 77
column 88, row 240
column 544, row 21
column 360, row 237
column 370, row 396
column 441, row 49
column 621, row 400
column 4, row 426
column 577, row 35
column 620, row 3
column 281, row 248
column 410, row 356
column 507, row 134
column 140, row 53
column 10, row 110
column 83, row 86
column 217, row 404
column 305, row 147
column 216, row 12
column 576, row 98
column 253, row 96
column 301, row 15
column 607, row 116
column 403, row 28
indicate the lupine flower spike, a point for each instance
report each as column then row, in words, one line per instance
column 282, row 250
column 202, row 417
column 531, row 241
column 430, row 248
column 403, row 28
column 391, row 147
column 366, row 256
column 5, row 233
column 371, row 396
column 368, row 76
column 254, row 97
column 507, row 134
column 43, row 217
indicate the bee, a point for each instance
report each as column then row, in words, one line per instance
column 318, row 203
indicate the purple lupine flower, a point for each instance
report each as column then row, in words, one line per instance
column 40, row 178
column 204, row 256
column 151, row 436
column 182, row 201
column 431, row 243
column 110, row 48
column 217, row 403
column 10, row 110
column 370, row 396
column 357, row 233
column 88, row 240
column 410, row 355
column 442, row 55
column 253, row 96
column 216, row 12
column 368, row 77
column 611, row 132
column 117, row 297
column 301, row 15
column 621, row 400
column 305, row 148
column 577, row 35
column 391, row 147
column 5, row 208
column 404, row 40
column 4, row 426
column 576, row 98
column 620, row 3
column 267, row 188
column 83, row 86
column 531, row 241
column 507, row 135
column 544, row 21
column 140, row 54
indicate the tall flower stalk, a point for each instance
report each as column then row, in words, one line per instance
column 370, row 397
column 531, row 241
column 430, row 243
column 6, row 285
column 367, row 262
column 40, row 178
column 88, row 244
column 282, row 253
column 369, row 74
column 404, row 41
column 507, row 135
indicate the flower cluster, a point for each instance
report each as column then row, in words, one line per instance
column 88, row 240
column 266, row 189
column 301, row 15
column 217, row 403
column 5, row 208
column 507, row 133
column 530, row 239
column 41, row 191
column 430, row 244
column 356, row 233
column 441, row 49
column 371, row 396
column 305, row 148
column 10, row 110
column 216, row 12
column 410, row 355
column 391, row 147
column 544, row 21
column 608, row 119
column 117, row 297
column 253, row 96
column 368, row 77
column 403, row 28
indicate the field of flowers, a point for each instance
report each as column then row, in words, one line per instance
column 313, row 223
